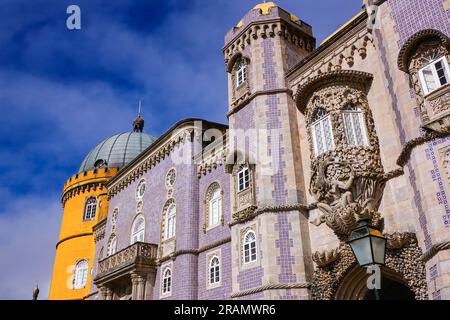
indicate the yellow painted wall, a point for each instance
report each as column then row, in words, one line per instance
column 76, row 239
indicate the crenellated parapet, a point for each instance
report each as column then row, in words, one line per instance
column 268, row 22
column 86, row 181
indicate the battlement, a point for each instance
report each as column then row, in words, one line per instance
column 90, row 176
column 264, row 12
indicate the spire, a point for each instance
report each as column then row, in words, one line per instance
column 138, row 122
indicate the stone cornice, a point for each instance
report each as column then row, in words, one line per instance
column 241, row 104
column 270, row 28
column 157, row 151
column 194, row 251
column 346, row 77
column 336, row 41
column 150, row 160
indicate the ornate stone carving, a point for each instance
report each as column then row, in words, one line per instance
column 348, row 181
column 404, row 261
column 323, row 258
column 99, row 230
column 421, row 49
column 139, row 252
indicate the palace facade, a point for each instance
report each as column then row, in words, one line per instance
column 319, row 138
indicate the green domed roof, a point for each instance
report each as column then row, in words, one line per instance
column 117, row 151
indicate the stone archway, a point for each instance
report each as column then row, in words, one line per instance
column 354, row 287
column 339, row 277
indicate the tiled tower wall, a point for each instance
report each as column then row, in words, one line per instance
column 426, row 182
column 210, row 236
column 282, row 236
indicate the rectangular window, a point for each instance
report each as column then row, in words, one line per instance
column 243, row 179
column 214, row 212
column 323, row 136
column 435, row 75
column 240, row 75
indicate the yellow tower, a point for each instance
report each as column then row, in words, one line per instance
column 85, row 203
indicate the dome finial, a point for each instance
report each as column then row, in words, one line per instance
column 138, row 122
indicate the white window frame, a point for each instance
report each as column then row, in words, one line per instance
column 112, row 246
column 215, row 270
column 215, row 207
column 245, row 173
column 247, row 246
column 80, row 274
column 432, row 64
column 166, row 289
column 138, row 235
column 320, row 123
column 171, row 220
column 355, row 113
column 90, row 209
column 241, row 73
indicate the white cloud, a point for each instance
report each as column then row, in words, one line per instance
column 28, row 234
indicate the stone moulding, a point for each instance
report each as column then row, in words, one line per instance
column 194, row 251
column 270, row 286
column 414, row 41
column 404, row 261
column 435, row 248
column 253, row 211
column 332, row 78
column 243, row 102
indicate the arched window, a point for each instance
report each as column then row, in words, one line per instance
column 435, row 73
column 90, row 208
column 243, row 178
column 241, row 73
column 354, row 126
column 112, row 245
column 167, row 281
column 81, row 273
column 214, row 270
column 215, row 204
column 171, row 217
column 100, row 255
column 322, row 132
column 138, row 229
column 249, row 247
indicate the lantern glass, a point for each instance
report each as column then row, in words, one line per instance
column 368, row 244
column 379, row 249
column 362, row 250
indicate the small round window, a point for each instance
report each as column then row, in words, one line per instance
column 170, row 178
column 100, row 163
column 140, row 190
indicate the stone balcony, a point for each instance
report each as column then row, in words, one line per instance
column 139, row 257
column 437, row 105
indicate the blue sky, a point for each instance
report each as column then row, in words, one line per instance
column 62, row 92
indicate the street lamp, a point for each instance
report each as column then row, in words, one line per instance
column 368, row 245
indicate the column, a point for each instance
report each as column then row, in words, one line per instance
column 138, row 286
